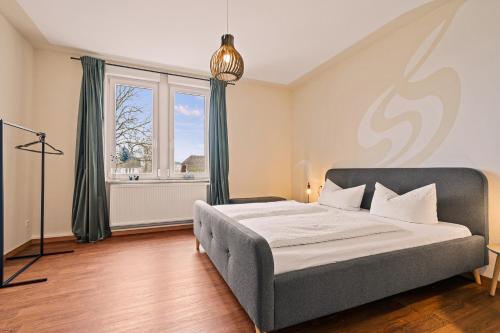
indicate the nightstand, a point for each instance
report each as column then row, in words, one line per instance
column 495, row 248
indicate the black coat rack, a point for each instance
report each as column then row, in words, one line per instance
column 35, row 257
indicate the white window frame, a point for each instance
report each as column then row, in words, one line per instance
column 112, row 82
column 164, row 88
column 195, row 91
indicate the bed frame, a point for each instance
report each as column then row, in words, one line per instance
column 244, row 259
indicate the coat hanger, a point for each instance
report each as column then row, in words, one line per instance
column 26, row 146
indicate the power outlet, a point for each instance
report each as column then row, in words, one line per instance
column 27, row 226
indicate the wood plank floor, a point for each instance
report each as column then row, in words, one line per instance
column 158, row 283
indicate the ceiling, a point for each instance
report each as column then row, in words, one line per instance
column 280, row 40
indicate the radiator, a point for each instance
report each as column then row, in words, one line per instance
column 139, row 204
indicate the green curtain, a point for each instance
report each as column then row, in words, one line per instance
column 218, row 147
column 90, row 219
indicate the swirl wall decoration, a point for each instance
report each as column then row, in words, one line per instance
column 414, row 115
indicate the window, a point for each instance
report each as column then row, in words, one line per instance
column 156, row 126
column 189, row 132
column 133, row 130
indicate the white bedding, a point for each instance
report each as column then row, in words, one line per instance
column 278, row 208
column 292, row 258
column 309, row 225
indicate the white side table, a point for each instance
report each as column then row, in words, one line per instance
column 495, row 248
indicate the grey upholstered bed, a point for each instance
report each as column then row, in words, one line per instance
column 244, row 259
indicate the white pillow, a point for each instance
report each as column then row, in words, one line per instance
column 417, row 206
column 334, row 196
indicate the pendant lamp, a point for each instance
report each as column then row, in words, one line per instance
column 226, row 63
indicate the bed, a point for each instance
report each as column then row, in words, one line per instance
column 281, row 287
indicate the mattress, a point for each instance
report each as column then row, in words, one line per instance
column 298, row 257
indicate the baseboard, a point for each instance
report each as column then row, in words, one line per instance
column 151, row 225
column 120, row 232
column 18, row 249
column 54, row 239
column 116, row 233
column 149, row 230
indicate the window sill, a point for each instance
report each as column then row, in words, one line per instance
column 156, row 181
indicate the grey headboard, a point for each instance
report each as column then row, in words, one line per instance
column 462, row 193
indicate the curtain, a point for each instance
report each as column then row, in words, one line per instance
column 218, row 147
column 90, row 219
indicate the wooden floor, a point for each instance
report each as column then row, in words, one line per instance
column 158, row 283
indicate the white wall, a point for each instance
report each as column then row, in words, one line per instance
column 56, row 96
column 260, row 145
column 16, row 82
column 426, row 93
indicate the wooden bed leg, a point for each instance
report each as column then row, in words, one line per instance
column 477, row 276
column 257, row 330
column 197, row 245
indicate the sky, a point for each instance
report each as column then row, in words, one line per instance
column 189, row 121
column 189, row 126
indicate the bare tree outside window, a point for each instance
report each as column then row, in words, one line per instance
column 133, row 130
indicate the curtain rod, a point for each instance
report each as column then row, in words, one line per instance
column 153, row 71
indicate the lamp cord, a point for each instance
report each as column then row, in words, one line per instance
column 227, row 16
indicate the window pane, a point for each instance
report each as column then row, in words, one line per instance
column 133, row 130
column 189, row 133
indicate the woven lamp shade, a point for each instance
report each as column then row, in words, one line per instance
column 227, row 64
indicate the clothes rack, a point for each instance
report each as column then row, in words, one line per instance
column 34, row 257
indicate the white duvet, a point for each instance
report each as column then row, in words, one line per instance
column 310, row 224
column 289, row 258
column 268, row 209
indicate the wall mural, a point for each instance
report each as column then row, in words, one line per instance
column 413, row 116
